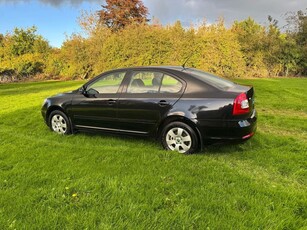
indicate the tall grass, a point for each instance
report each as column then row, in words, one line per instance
column 48, row 181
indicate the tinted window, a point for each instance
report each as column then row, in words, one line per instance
column 108, row 84
column 170, row 85
column 153, row 82
column 145, row 82
column 211, row 79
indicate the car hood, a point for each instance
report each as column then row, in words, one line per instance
column 63, row 94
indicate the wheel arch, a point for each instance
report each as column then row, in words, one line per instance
column 56, row 107
column 51, row 109
column 177, row 118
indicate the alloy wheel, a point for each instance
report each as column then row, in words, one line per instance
column 59, row 124
column 178, row 139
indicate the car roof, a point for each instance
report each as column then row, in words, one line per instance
column 178, row 68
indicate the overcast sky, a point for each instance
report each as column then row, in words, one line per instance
column 55, row 18
column 195, row 10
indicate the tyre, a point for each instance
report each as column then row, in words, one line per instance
column 59, row 122
column 180, row 137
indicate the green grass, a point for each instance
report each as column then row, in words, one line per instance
column 88, row 181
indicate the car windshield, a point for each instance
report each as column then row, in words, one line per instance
column 211, row 79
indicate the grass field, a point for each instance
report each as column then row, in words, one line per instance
column 87, row 181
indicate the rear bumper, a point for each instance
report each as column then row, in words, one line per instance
column 239, row 129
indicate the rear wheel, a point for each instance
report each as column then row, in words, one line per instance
column 180, row 137
column 59, row 122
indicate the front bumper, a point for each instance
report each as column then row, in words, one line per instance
column 44, row 111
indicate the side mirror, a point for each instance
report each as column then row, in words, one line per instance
column 92, row 92
column 82, row 89
column 88, row 93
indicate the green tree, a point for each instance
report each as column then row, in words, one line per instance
column 1, row 39
column 23, row 52
column 297, row 29
column 290, row 55
column 23, row 41
column 272, row 47
column 74, row 57
column 250, row 36
column 183, row 44
column 219, row 51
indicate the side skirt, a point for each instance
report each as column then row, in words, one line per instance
column 111, row 130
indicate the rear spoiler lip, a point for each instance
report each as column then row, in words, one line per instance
column 239, row 88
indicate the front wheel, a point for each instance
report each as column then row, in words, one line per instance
column 180, row 137
column 59, row 122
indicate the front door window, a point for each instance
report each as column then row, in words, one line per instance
column 106, row 85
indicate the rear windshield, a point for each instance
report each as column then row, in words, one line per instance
column 210, row 79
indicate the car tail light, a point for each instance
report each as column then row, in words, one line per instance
column 240, row 105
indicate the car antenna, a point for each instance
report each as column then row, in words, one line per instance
column 183, row 66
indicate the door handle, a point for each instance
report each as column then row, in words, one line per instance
column 163, row 103
column 112, row 102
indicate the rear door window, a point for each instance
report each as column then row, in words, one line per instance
column 153, row 82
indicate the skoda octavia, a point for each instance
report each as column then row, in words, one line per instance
column 182, row 107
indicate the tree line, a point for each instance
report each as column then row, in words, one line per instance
column 245, row 49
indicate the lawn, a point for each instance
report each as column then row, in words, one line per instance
column 88, row 181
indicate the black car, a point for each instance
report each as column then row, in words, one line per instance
column 182, row 107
